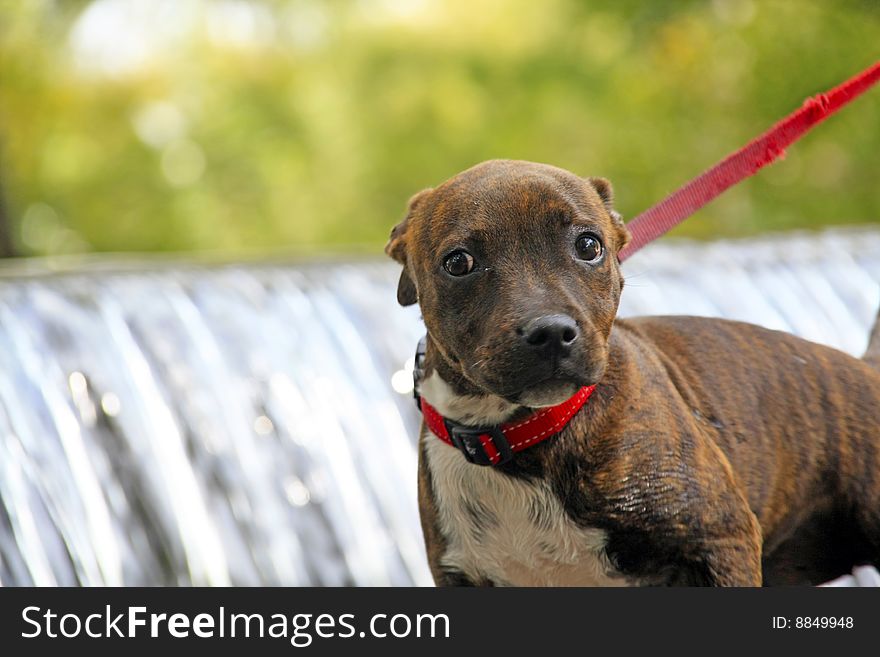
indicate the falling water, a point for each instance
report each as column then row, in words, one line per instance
column 237, row 424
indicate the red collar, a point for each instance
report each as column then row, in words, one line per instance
column 494, row 445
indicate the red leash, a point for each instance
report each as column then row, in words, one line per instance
column 745, row 162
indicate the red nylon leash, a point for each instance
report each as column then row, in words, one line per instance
column 745, row 162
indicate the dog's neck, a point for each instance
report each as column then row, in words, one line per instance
column 456, row 398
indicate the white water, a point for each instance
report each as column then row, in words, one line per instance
column 236, row 424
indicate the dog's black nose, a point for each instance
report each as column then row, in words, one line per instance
column 553, row 333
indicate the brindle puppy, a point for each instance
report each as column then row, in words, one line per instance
column 712, row 452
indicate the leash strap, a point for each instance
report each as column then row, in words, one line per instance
column 745, row 162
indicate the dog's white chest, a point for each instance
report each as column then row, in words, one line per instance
column 509, row 531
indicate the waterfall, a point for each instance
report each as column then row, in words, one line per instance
column 165, row 423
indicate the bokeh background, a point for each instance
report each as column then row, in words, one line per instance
column 241, row 412
column 253, row 126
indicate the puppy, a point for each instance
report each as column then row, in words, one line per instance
column 709, row 452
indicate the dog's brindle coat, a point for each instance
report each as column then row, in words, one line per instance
column 712, row 452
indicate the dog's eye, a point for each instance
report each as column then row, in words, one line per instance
column 459, row 263
column 588, row 247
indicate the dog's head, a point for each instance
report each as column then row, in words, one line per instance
column 514, row 265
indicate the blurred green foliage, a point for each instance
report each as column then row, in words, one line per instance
column 231, row 125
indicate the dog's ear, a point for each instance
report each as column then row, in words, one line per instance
column 606, row 193
column 407, row 294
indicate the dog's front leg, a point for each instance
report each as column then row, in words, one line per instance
column 727, row 543
column 435, row 542
column 732, row 540
column 733, row 561
column 695, row 512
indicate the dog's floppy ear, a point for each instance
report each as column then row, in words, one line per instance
column 407, row 294
column 606, row 193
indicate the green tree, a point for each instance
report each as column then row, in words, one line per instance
column 236, row 125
